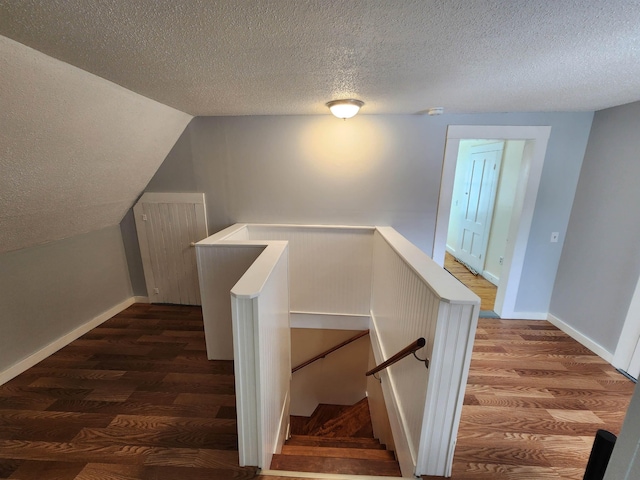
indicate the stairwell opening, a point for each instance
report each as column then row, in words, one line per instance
column 339, row 422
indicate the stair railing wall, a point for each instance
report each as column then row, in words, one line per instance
column 254, row 278
column 222, row 258
column 330, row 269
column 413, row 297
column 346, row 278
column 260, row 315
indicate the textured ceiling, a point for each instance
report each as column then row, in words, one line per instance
column 75, row 149
column 234, row 57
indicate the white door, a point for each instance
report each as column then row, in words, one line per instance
column 477, row 209
column 627, row 354
column 634, row 365
column 168, row 226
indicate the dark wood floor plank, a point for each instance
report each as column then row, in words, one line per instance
column 480, row 286
column 38, row 470
column 533, row 402
column 135, row 398
column 532, row 409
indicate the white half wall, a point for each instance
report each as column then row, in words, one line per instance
column 219, row 269
column 330, row 266
column 262, row 363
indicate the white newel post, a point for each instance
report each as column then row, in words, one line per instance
column 262, row 351
column 448, row 372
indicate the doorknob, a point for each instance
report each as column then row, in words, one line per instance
column 192, row 244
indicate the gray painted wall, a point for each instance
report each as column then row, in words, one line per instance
column 382, row 169
column 132, row 252
column 600, row 262
column 48, row 290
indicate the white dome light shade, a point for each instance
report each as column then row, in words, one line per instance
column 345, row 108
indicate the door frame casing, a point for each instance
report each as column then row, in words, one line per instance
column 629, row 341
column 536, row 139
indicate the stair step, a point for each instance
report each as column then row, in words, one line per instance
column 322, row 413
column 350, row 422
column 339, row 452
column 336, row 439
column 348, row 442
column 342, row 466
column 336, row 421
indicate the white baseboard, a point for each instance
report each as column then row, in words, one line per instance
column 581, row 338
column 283, row 431
column 491, row 278
column 525, row 316
column 330, row 321
column 327, row 476
column 26, row 363
column 141, row 299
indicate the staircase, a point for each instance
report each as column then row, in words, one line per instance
column 336, row 439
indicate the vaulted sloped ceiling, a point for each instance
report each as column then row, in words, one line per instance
column 75, row 150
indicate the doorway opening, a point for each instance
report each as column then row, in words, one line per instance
column 484, row 191
column 474, row 282
column 534, row 145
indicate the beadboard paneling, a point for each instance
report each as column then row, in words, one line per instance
column 412, row 298
column 403, row 309
column 330, row 267
column 260, row 310
column 219, row 268
column 448, row 372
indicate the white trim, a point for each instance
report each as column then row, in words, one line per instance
column 162, row 197
column 253, row 280
column 448, row 372
column 527, row 316
column 490, row 277
column 329, row 321
column 443, row 285
column 26, row 363
column 630, row 333
column 329, row 476
column 535, row 150
column 143, row 243
column 581, row 338
column 285, row 418
column 249, row 446
column 141, row 299
column 370, row 228
column 404, row 455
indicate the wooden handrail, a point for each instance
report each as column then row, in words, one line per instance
column 331, row 350
column 408, row 350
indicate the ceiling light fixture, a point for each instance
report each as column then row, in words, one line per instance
column 345, row 108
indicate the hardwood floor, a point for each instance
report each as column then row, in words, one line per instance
column 476, row 283
column 136, row 398
column 534, row 401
